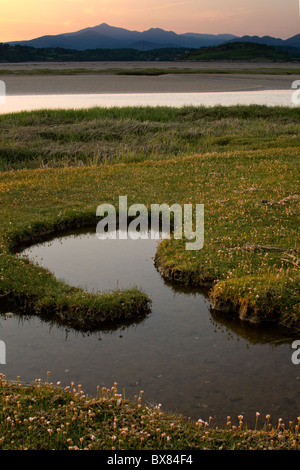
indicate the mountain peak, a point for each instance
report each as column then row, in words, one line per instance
column 105, row 36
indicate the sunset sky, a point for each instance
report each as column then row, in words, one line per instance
column 27, row 19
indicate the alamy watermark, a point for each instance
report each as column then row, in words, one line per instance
column 296, row 354
column 135, row 222
column 2, row 353
column 296, row 94
column 2, row 92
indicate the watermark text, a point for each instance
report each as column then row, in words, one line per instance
column 296, row 94
column 2, row 353
column 296, row 354
column 2, row 92
column 134, row 222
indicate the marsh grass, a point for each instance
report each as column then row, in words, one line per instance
column 100, row 136
column 249, row 184
column 250, row 198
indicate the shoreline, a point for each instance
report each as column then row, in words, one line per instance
column 112, row 77
column 168, row 83
column 98, row 65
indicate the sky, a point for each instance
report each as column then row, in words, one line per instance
column 28, row 19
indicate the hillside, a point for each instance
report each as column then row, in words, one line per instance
column 229, row 51
column 105, row 36
column 270, row 41
column 244, row 51
column 29, row 54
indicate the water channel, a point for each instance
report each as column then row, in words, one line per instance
column 183, row 355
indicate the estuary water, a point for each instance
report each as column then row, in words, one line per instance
column 30, row 102
column 183, row 355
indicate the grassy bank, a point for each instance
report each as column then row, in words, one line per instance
column 28, row 288
column 250, row 254
column 43, row 416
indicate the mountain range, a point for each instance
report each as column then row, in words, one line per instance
column 105, row 36
column 294, row 41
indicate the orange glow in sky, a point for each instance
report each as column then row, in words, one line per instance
column 28, row 19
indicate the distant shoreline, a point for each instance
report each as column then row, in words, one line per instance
column 105, row 64
column 100, row 77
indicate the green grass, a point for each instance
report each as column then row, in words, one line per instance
column 259, row 283
column 43, row 416
column 250, row 258
column 96, row 136
column 232, row 181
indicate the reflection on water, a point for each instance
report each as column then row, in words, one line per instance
column 183, row 355
column 31, row 102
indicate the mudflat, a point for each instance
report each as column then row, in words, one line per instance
column 103, row 65
column 95, row 82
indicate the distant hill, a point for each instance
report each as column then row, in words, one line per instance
column 19, row 53
column 95, row 43
column 229, row 51
column 105, row 36
column 294, row 41
column 267, row 40
column 247, row 51
column 270, row 41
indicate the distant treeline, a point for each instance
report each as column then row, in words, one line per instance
column 230, row 51
column 19, row 53
column 246, row 51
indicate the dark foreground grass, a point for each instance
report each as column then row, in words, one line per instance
column 98, row 136
column 43, row 416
